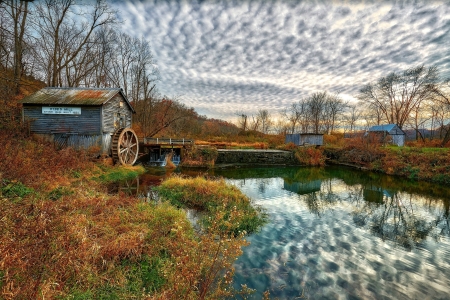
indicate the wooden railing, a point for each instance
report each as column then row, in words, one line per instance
column 164, row 141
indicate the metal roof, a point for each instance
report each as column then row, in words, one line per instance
column 391, row 128
column 74, row 96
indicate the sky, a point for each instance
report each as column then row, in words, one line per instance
column 229, row 57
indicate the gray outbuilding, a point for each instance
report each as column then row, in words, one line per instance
column 304, row 139
column 388, row 133
column 79, row 117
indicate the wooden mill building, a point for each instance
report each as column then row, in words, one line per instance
column 79, row 117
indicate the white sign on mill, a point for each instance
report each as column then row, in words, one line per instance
column 51, row 110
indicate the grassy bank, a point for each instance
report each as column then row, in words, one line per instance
column 417, row 163
column 219, row 201
column 62, row 236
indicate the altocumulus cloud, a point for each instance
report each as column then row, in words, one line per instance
column 222, row 57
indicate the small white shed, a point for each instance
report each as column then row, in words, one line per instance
column 389, row 133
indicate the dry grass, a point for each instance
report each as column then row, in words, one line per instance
column 63, row 236
column 38, row 164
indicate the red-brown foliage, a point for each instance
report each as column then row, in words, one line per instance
column 37, row 163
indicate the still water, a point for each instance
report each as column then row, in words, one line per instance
column 338, row 233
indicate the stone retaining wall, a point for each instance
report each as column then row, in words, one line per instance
column 264, row 157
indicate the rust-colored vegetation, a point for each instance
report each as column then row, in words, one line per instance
column 417, row 160
column 200, row 156
column 63, row 236
column 310, row 156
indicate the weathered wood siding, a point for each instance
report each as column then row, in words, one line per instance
column 89, row 122
column 312, row 139
column 302, row 139
column 109, row 114
column 398, row 139
column 293, row 138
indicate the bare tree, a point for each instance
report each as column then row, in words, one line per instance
column 316, row 105
column 265, row 119
column 397, row 95
column 352, row 117
column 66, row 32
column 293, row 115
column 242, row 122
column 18, row 11
column 334, row 107
column 254, row 123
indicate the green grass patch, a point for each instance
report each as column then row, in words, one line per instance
column 121, row 173
column 59, row 192
column 14, row 190
column 146, row 275
column 406, row 149
column 2, row 274
column 237, row 214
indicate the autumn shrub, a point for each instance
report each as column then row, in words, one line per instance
column 245, row 140
column 199, row 157
column 426, row 143
column 287, row 147
column 334, row 139
column 416, row 163
column 310, row 156
column 358, row 151
column 212, row 196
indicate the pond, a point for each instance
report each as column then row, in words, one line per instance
column 339, row 233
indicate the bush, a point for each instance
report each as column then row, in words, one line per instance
column 310, row 156
column 200, row 157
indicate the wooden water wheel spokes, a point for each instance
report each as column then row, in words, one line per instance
column 125, row 146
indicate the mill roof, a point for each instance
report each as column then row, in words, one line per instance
column 74, row 96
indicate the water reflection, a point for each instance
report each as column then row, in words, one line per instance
column 342, row 234
column 338, row 233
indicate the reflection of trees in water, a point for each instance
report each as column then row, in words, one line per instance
column 397, row 219
column 264, row 185
column 320, row 200
column 405, row 219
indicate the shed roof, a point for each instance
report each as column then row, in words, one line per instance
column 390, row 128
column 74, row 96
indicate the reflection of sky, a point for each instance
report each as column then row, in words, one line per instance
column 227, row 56
column 329, row 256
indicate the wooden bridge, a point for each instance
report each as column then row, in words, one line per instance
column 165, row 141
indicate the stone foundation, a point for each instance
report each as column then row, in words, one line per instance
column 255, row 156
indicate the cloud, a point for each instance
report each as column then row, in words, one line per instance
column 224, row 56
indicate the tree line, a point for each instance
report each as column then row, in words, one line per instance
column 70, row 43
column 416, row 98
column 79, row 44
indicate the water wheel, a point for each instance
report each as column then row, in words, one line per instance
column 125, row 146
